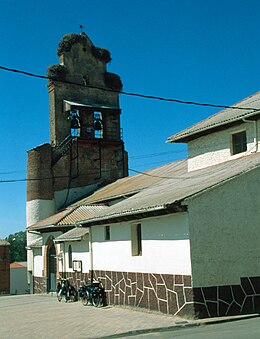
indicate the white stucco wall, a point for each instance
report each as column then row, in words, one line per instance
column 225, row 232
column 36, row 210
column 165, row 246
column 80, row 251
column 215, row 148
column 39, row 209
column 37, row 262
column 72, row 195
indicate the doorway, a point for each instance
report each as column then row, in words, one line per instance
column 52, row 268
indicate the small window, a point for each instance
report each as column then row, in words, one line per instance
column 107, row 232
column 136, row 237
column 239, row 143
column 70, row 256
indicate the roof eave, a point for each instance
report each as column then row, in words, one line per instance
column 140, row 214
column 208, row 130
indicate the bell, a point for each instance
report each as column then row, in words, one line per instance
column 74, row 123
column 97, row 125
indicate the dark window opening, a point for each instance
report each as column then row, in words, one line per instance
column 239, row 142
column 107, row 232
column 70, row 256
column 136, row 233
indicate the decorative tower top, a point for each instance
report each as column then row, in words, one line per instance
column 80, row 80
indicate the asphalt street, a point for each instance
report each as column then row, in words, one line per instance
column 242, row 329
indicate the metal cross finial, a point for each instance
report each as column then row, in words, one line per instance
column 81, row 28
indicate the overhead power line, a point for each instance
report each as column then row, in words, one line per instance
column 153, row 97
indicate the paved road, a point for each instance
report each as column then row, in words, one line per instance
column 42, row 316
column 243, row 329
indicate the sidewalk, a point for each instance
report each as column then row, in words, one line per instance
column 42, row 316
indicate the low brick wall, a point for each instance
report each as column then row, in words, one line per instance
column 166, row 293
column 228, row 300
column 40, row 285
column 4, row 267
column 170, row 294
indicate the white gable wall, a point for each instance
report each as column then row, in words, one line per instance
column 165, row 246
column 225, row 232
column 215, row 148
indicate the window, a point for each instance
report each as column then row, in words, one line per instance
column 239, row 143
column 107, row 232
column 70, row 256
column 136, row 238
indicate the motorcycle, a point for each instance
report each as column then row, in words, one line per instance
column 66, row 291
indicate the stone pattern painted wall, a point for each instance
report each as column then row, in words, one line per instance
column 77, row 279
column 166, row 293
column 39, row 285
column 170, row 294
column 228, row 300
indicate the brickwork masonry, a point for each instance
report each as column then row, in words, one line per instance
column 5, row 268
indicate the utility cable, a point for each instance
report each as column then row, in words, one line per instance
column 153, row 97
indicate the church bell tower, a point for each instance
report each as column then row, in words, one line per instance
column 86, row 150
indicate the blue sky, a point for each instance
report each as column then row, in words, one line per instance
column 197, row 50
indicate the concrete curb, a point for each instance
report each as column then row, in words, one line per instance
column 220, row 320
column 150, row 330
column 184, row 324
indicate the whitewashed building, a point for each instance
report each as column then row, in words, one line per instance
column 180, row 239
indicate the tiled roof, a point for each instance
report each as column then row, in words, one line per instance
column 4, row 243
column 36, row 243
column 156, row 191
column 76, row 234
column 225, row 117
column 22, row 264
column 175, row 189
column 69, row 216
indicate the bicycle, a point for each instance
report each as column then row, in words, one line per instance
column 93, row 293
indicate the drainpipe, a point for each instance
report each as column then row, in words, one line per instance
column 91, row 254
column 64, row 261
column 255, row 134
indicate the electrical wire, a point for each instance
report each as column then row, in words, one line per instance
column 153, row 97
column 136, row 157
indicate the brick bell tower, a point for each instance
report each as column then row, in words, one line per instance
column 86, row 149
